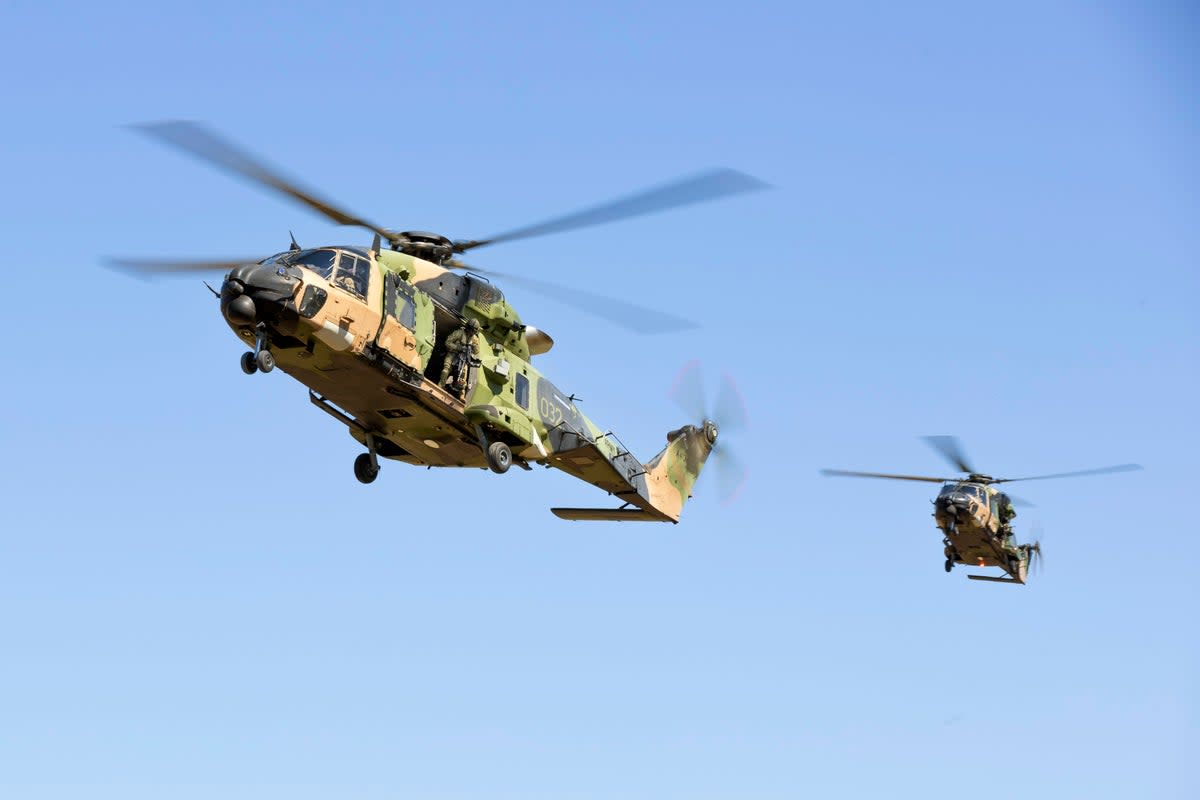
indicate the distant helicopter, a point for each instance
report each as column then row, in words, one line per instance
column 975, row 518
column 431, row 367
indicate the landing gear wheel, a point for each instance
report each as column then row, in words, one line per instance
column 499, row 457
column 949, row 564
column 249, row 366
column 363, row 470
column 265, row 361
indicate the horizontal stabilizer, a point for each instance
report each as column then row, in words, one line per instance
column 606, row 514
column 993, row 579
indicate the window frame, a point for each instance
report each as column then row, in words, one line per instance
column 395, row 288
column 353, row 289
column 521, row 390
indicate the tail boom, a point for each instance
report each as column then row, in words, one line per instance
column 673, row 472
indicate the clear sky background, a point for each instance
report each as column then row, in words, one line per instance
column 983, row 224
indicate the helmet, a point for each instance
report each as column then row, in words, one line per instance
column 473, row 324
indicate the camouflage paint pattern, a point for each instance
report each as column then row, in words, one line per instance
column 971, row 529
column 376, row 363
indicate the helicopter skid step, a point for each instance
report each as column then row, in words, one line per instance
column 994, row 579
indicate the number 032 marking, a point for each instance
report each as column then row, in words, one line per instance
column 551, row 413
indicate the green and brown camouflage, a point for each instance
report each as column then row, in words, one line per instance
column 974, row 516
column 366, row 331
column 970, row 516
column 368, row 340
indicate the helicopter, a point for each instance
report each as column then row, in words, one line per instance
column 975, row 518
column 420, row 355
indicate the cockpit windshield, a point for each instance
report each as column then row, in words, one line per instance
column 962, row 488
column 319, row 261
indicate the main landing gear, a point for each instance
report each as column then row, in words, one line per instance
column 366, row 466
column 260, row 359
column 499, row 457
column 364, row 470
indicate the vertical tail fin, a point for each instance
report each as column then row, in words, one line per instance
column 671, row 474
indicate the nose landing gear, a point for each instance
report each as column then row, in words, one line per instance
column 249, row 364
column 260, row 359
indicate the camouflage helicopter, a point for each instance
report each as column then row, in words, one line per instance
column 433, row 367
column 975, row 518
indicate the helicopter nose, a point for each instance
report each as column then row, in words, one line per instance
column 237, row 306
column 241, row 310
column 252, row 290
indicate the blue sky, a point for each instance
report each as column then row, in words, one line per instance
column 983, row 223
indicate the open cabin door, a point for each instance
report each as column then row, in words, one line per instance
column 407, row 331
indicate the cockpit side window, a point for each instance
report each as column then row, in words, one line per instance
column 353, row 274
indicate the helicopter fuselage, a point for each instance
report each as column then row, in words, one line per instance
column 968, row 515
column 366, row 331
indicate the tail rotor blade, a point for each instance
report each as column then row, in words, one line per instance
column 1036, row 564
column 730, row 411
column 729, row 415
column 731, row 474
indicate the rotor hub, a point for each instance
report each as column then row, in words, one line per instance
column 424, row 245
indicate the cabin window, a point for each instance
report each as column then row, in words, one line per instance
column 319, row 261
column 522, row 391
column 399, row 303
column 353, row 274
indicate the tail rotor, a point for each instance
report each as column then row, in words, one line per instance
column 1034, row 550
column 727, row 415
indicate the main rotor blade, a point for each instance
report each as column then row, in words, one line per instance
column 849, row 474
column 951, row 450
column 620, row 312
column 167, row 266
column 205, row 145
column 1098, row 471
column 699, row 188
